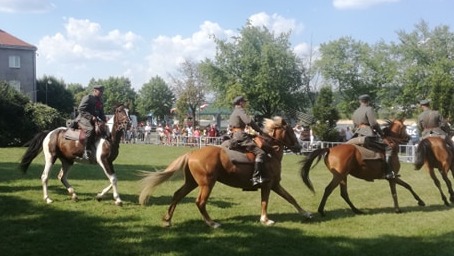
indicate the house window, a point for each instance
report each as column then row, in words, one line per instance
column 14, row 61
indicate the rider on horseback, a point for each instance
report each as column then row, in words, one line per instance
column 430, row 123
column 366, row 125
column 238, row 122
column 91, row 108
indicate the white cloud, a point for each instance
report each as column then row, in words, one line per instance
column 167, row 53
column 26, row 6
column 275, row 23
column 359, row 4
column 83, row 50
column 84, row 40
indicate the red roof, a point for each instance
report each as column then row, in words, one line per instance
column 8, row 40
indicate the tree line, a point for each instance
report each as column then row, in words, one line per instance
column 262, row 66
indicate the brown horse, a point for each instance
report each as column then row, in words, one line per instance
column 434, row 153
column 345, row 159
column 56, row 146
column 205, row 166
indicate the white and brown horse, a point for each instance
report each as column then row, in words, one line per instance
column 56, row 146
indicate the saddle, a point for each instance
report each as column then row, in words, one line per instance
column 76, row 131
column 369, row 149
column 240, row 154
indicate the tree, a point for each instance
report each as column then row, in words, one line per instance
column 326, row 115
column 260, row 66
column 53, row 93
column 346, row 65
column 155, row 97
column 118, row 90
column 426, row 60
column 190, row 88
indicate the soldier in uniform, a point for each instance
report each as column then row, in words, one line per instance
column 366, row 125
column 238, row 122
column 91, row 108
column 430, row 122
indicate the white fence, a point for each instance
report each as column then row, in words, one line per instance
column 406, row 152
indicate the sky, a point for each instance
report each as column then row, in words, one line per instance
column 78, row 40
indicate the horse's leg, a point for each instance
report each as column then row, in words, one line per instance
column 265, row 195
column 278, row 189
column 444, row 175
column 49, row 161
column 107, row 166
column 201, row 201
column 63, row 175
column 438, row 185
column 187, row 187
column 346, row 197
column 328, row 190
column 392, row 186
column 409, row 188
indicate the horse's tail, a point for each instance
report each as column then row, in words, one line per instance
column 35, row 146
column 307, row 164
column 154, row 179
column 423, row 151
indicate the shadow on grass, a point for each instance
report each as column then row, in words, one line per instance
column 29, row 229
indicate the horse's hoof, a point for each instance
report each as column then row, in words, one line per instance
column 215, row 225
column 99, row 197
column 48, row 200
column 398, row 211
column 308, row 215
column 421, row 203
column 166, row 224
column 118, row 203
column 268, row 222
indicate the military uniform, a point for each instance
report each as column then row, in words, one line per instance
column 429, row 122
column 89, row 108
column 366, row 125
column 365, row 121
column 238, row 122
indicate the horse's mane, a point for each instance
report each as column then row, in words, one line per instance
column 271, row 124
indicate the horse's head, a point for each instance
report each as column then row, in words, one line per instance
column 121, row 118
column 396, row 130
column 282, row 133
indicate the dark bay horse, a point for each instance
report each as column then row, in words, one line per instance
column 56, row 146
column 203, row 167
column 434, row 153
column 345, row 159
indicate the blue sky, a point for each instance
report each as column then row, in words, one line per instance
column 82, row 39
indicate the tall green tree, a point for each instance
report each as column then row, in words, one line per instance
column 118, row 90
column 426, row 58
column 326, row 115
column 262, row 67
column 346, row 65
column 190, row 88
column 156, row 97
column 53, row 93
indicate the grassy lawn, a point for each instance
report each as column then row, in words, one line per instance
column 88, row 227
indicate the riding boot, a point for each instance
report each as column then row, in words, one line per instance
column 87, row 151
column 257, row 176
column 389, row 174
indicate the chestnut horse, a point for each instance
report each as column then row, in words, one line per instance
column 434, row 153
column 204, row 166
column 345, row 159
column 56, row 146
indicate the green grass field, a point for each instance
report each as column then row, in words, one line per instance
column 28, row 226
